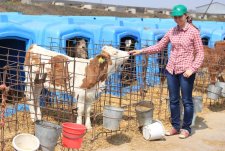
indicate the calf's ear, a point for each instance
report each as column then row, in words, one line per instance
column 104, row 56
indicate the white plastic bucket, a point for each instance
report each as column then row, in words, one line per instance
column 25, row 142
column 154, row 131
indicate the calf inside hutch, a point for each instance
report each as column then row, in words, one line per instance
column 205, row 41
column 128, row 73
column 77, row 47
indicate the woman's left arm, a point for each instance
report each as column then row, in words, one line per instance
column 199, row 57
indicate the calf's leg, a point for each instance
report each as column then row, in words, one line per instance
column 32, row 96
column 87, row 116
column 80, row 111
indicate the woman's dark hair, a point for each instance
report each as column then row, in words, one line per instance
column 189, row 20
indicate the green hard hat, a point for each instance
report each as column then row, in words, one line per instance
column 178, row 10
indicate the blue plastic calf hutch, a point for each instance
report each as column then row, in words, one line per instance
column 141, row 20
column 166, row 26
column 217, row 35
column 150, row 35
column 156, row 62
column 109, row 21
column 10, row 13
column 105, row 18
column 140, row 25
column 58, row 36
column 117, row 36
column 39, row 28
column 130, row 19
column 155, row 20
column 94, row 27
column 16, row 37
column 36, row 26
column 14, row 41
column 206, row 29
column 166, row 21
column 212, row 25
column 206, row 37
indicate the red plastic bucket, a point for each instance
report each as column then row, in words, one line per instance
column 72, row 135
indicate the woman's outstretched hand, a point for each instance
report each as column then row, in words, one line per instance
column 135, row 52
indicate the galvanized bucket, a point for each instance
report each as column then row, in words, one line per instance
column 144, row 112
column 197, row 100
column 112, row 117
column 222, row 85
column 214, row 92
column 48, row 134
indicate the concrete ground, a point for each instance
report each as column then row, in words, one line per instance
column 208, row 135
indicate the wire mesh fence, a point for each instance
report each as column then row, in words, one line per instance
column 39, row 85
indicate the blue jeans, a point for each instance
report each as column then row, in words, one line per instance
column 177, row 82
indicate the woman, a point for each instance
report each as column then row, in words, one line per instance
column 186, row 57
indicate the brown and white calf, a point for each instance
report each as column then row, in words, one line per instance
column 89, row 75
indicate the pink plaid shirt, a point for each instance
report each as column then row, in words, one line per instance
column 187, row 49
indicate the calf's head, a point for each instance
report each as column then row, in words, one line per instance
column 103, row 65
column 117, row 56
column 81, row 49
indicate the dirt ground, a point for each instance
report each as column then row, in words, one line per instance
column 208, row 135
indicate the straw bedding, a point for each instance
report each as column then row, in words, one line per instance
column 21, row 123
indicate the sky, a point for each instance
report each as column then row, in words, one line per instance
column 191, row 4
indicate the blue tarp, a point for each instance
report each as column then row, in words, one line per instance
column 12, row 110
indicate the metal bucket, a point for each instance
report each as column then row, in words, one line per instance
column 112, row 117
column 48, row 134
column 214, row 92
column 197, row 100
column 222, row 85
column 144, row 112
